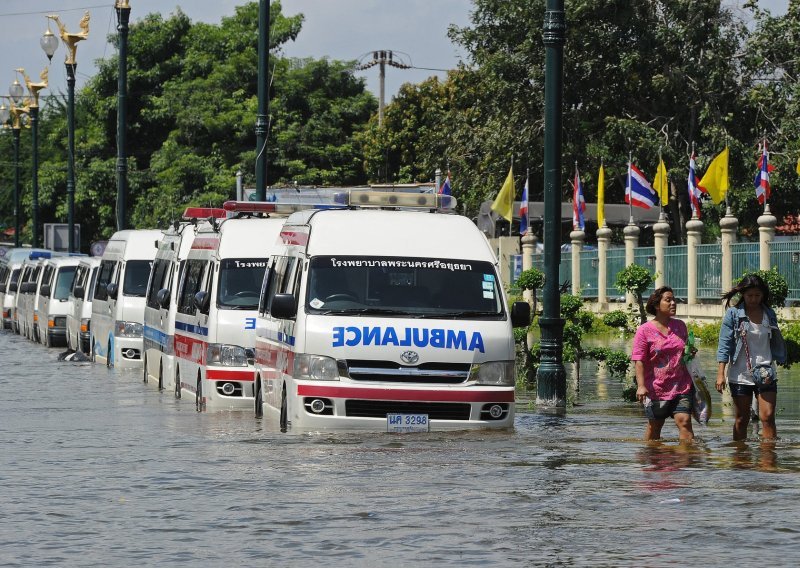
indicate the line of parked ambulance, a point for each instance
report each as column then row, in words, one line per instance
column 375, row 310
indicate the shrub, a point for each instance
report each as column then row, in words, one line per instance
column 636, row 280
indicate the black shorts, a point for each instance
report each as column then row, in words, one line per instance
column 738, row 389
column 662, row 409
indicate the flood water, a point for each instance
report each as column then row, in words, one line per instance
column 99, row 469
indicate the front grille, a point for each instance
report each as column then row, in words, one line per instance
column 380, row 408
column 390, row 371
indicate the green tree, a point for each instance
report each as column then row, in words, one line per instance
column 636, row 280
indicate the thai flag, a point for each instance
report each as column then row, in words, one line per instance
column 763, row 189
column 523, row 211
column 639, row 192
column 578, row 203
column 694, row 188
column 445, row 189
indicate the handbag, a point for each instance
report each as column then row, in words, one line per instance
column 763, row 374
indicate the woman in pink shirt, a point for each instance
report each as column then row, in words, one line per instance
column 664, row 385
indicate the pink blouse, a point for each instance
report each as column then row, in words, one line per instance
column 665, row 376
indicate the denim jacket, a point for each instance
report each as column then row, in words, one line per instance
column 730, row 340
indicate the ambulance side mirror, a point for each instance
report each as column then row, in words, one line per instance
column 112, row 290
column 44, row 291
column 284, row 306
column 78, row 291
column 13, row 287
column 520, row 314
column 202, row 300
column 162, row 297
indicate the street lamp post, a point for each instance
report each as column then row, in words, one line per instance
column 33, row 113
column 49, row 44
column 5, row 114
column 262, row 124
column 551, row 377
column 123, row 15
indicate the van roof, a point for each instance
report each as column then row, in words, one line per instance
column 244, row 238
column 393, row 233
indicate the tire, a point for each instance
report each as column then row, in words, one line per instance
column 177, row 381
column 47, row 341
column 199, row 405
column 92, row 355
column 259, row 405
column 284, row 411
column 160, row 375
column 109, row 362
column 144, row 373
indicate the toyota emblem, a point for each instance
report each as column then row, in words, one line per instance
column 409, row 357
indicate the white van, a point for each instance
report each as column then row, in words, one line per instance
column 28, row 297
column 10, row 272
column 217, row 301
column 162, row 297
column 385, row 320
column 54, row 305
column 80, row 297
column 118, row 301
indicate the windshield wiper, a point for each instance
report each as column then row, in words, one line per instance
column 465, row 313
column 370, row 311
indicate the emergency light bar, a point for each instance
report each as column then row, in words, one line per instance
column 368, row 198
column 272, row 207
column 39, row 254
column 204, row 213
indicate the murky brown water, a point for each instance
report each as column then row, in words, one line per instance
column 98, row 469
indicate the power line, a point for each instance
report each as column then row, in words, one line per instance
column 53, row 10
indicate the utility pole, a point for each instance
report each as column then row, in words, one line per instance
column 382, row 58
column 123, row 17
column 551, row 377
column 262, row 123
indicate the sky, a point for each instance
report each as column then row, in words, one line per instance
column 339, row 29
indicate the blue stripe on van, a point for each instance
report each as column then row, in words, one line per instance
column 196, row 329
column 155, row 335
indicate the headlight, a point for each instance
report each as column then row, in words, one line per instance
column 128, row 329
column 315, row 368
column 227, row 355
column 495, row 373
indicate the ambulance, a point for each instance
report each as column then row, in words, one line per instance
column 57, row 279
column 161, row 303
column 10, row 271
column 119, row 296
column 385, row 314
column 79, row 317
column 215, row 316
column 27, row 302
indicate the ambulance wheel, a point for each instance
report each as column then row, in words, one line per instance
column 259, row 409
column 160, row 375
column 177, row 381
column 284, row 411
column 144, row 375
column 109, row 361
column 198, row 397
column 92, row 356
column 47, row 341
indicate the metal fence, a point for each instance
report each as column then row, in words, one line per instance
column 784, row 256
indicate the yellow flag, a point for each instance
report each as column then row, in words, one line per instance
column 504, row 202
column 601, row 196
column 715, row 181
column 660, row 183
column 798, row 166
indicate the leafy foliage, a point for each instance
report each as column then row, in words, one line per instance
column 636, row 280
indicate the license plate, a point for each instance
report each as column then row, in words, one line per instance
column 407, row 423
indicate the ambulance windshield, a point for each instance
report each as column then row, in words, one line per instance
column 415, row 287
column 240, row 283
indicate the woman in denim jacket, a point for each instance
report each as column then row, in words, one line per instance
column 751, row 316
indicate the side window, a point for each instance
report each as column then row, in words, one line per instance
column 192, row 281
column 105, row 273
column 160, row 270
column 47, row 275
column 280, row 280
column 89, row 291
column 80, row 277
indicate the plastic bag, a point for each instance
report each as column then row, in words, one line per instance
column 701, row 409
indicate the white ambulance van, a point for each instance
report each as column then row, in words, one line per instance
column 10, row 272
column 79, row 317
column 54, row 305
column 381, row 319
column 217, row 302
column 119, row 295
column 28, row 296
column 162, row 295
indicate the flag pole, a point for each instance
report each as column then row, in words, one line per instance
column 660, row 197
column 629, row 188
column 604, row 196
column 727, row 203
